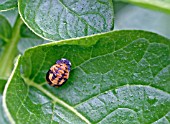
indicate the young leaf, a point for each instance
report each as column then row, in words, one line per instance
column 116, row 77
column 62, row 19
column 160, row 5
column 7, row 4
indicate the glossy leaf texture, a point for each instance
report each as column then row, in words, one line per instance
column 7, row 4
column 159, row 5
column 116, row 77
column 62, row 19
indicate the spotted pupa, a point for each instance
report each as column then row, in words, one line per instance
column 58, row 74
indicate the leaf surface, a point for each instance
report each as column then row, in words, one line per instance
column 62, row 19
column 7, row 4
column 116, row 77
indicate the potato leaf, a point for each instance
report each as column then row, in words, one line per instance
column 116, row 77
column 63, row 19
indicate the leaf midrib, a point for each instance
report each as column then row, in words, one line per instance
column 56, row 99
column 72, row 109
column 73, row 12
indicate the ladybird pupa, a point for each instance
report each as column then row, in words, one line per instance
column 58, row 74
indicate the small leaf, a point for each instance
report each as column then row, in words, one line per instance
column 116, row 77
column 7, row 4
column 159, row 5
column 62, row 19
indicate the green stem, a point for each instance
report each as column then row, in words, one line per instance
column 10, row 51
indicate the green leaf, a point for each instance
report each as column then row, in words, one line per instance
column 61, row 19
column 134, row 17
column 116, row 77
column 3, row 118
column 7, row 4
column 159, row 5
column 5, row 29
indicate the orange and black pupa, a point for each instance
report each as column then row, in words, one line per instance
column 58, row 74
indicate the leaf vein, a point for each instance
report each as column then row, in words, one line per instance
column 73, row 12
column 56, row 99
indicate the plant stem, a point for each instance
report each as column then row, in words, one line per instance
column 10, row 51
